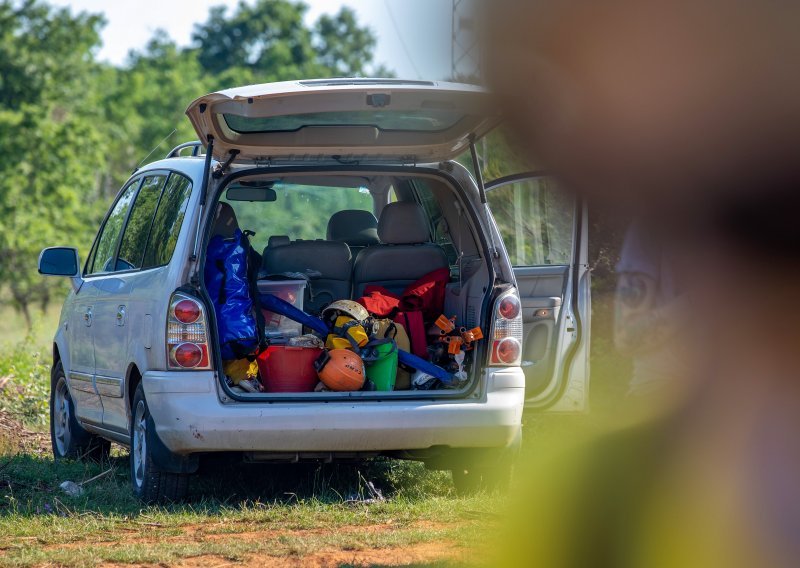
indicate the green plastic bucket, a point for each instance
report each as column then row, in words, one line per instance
column 383, row 369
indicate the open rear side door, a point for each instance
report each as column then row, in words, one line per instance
column 545, row 233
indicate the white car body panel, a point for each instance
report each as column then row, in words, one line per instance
column 190, row 418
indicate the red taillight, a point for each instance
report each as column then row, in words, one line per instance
column 509, row 307
column 506, row 346
column 188, row 355
column 187, row 311
column 187, row 338
column 507, row 351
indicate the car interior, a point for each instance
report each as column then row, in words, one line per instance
column 345, row 232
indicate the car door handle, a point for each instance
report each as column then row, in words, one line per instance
column 87, row 317
column 122, row 316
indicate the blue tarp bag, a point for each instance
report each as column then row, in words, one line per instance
column 228, row 283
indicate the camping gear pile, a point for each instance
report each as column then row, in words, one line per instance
column 379, row 342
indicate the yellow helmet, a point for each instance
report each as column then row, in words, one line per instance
column 349, row 325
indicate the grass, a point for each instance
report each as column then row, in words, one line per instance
column 238, row 510
column 25, row 358
column 13, row 329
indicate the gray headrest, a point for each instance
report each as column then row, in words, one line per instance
column 355, row 227
column 327, row 259
column 225, row 223
column 403, row 223
column 278, row 241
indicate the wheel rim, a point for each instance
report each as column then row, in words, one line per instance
column 139, row 449
column 61, row 417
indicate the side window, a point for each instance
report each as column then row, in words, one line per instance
column 106, row 248
column 140, row 221
column 439, row 230
column 535, row 220
column 167, row 222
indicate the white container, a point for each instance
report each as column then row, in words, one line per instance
column 291, row 291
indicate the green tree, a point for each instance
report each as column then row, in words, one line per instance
column 269, row 41
column 50, row 143
column 343, row 46
column 72, row 129
column 143, row 103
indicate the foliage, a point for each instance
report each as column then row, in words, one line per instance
column 300, row 211
column 26, row 392
column 72, row 129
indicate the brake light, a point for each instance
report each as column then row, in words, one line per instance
column 187, row 336
column 187, row 311
column 506, row 337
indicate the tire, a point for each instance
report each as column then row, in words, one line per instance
column 150, row 483
column 68, row 438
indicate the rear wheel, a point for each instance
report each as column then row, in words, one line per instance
column 150, row 483
column 68, row 438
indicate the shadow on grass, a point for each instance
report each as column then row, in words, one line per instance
column 29, row 484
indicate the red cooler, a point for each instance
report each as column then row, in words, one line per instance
column 285, row 368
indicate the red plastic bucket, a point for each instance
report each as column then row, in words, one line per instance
column 285, row 368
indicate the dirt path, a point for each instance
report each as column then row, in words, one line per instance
column 282, row 556
column 415, row 554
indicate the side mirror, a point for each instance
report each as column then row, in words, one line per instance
column 59, row 261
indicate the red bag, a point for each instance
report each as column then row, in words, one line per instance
column 425, row 295
column 379, row 301
column 415, row 329
column 421, row 300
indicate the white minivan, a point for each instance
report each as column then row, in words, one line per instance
column 365, row 191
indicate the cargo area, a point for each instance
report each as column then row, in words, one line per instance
column 346, row 284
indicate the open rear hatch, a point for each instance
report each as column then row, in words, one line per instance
column 352, row 120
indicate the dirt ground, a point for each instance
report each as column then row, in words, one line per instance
column 419, row 554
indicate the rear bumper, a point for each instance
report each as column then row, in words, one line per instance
column 190, row 417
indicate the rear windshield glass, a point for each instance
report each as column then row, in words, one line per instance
column 299, row 211
column 428, row 120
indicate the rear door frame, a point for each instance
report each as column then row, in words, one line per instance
column 569, row 387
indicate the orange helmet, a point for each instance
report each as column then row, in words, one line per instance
column 340, row 370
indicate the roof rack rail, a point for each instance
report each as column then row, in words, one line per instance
column 195, row 145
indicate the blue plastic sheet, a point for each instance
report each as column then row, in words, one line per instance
column 227, row 284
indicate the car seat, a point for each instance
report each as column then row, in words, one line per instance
column 355, row 227
column 405, row 254
column 326, row 264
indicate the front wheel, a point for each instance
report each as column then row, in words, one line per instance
column 68, row 438
column 150, row 483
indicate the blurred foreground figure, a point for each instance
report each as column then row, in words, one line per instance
column 685, row 113
column 652, row 315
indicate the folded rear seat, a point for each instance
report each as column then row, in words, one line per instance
column 327, row 264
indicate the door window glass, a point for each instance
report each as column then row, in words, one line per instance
column 106, row 248
column 168, row 221
column 535, row 220
column 134, row 239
